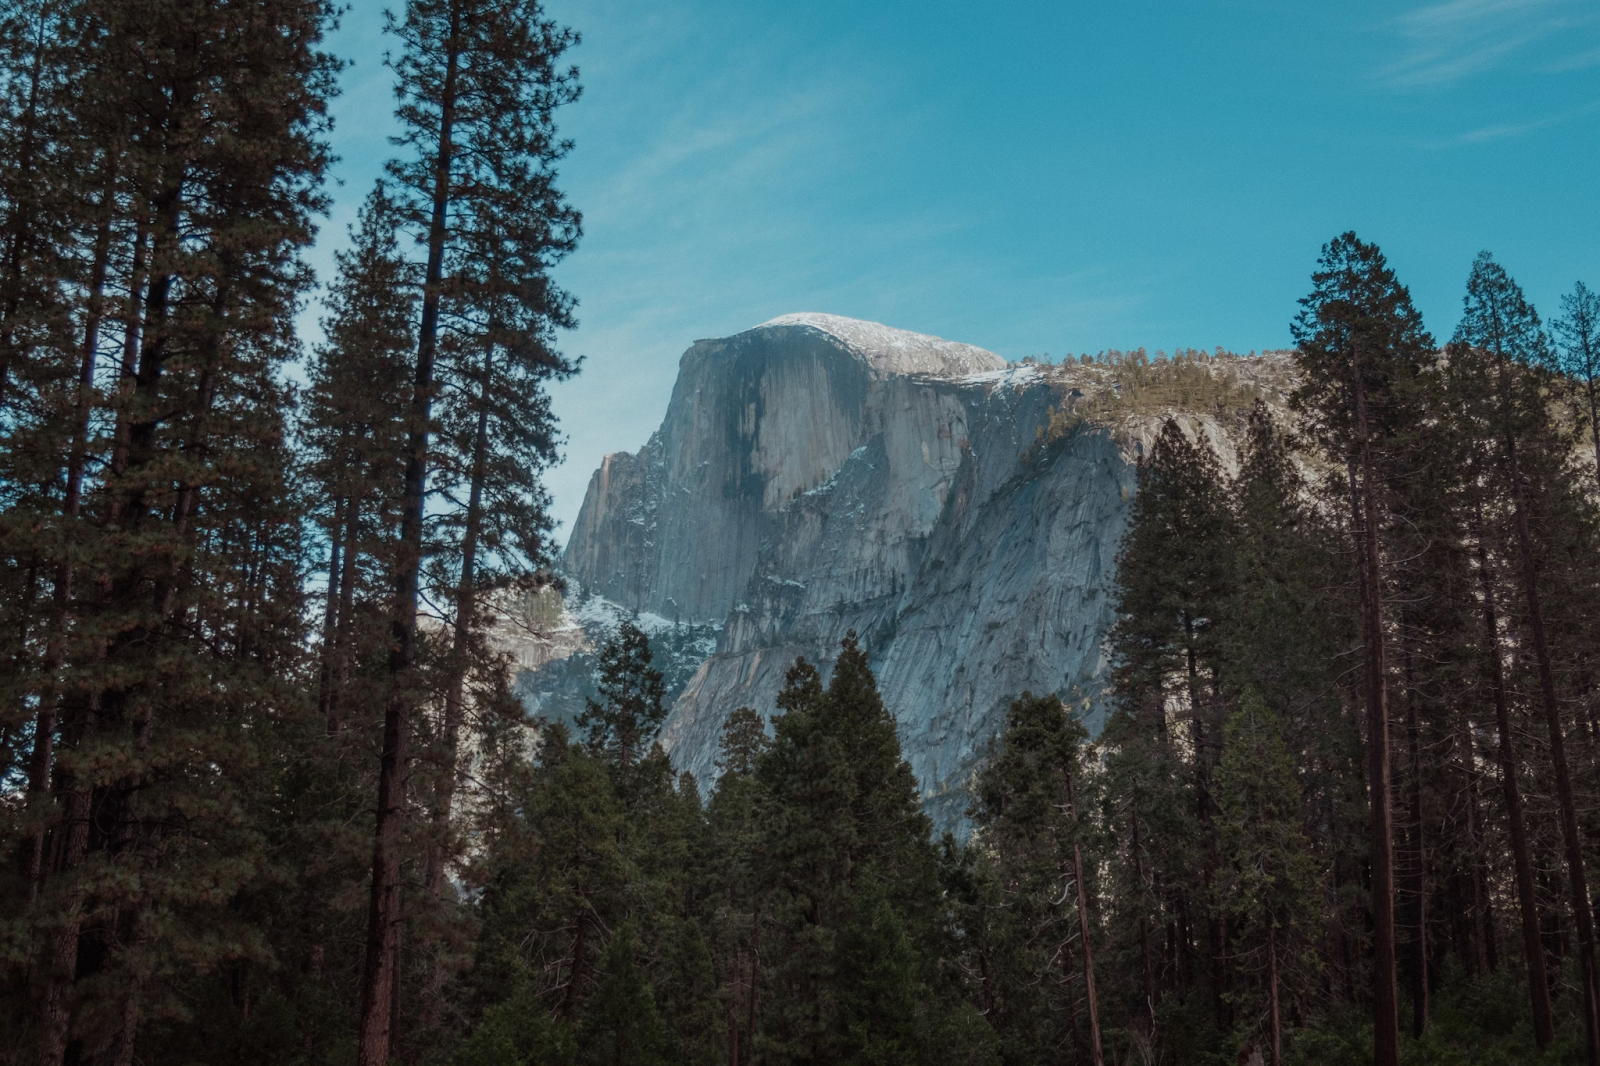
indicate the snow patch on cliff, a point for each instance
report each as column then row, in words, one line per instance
column 554, row 677
column 1013, row 376
column 896, row 351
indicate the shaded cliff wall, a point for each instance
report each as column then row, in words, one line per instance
column 753, row 419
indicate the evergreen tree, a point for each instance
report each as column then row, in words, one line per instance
column 170, row 531
column 1281, row 626
column 354, row 428
column 1027, row 813
column 1498, row 321
column 734, row 816
column 554, row 881
column 1283, row 634
column 879, row 985
column 1272, row 877
column 1579, row 331
column 1362, row 348
column 622, row 723
column 1175, row 579
column 517, row 1032
column 841, row 812
column 479, row 85
column 744, row 738
column 48, row 194
column 1466, row 403
column 1149, row 802
column 620, row 1025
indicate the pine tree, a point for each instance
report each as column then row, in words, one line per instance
column 1272, row 877
column 623, row 722
column 620, row 1025
column 478, row 84
column 554, row 876
column 1175, row 579
column 1149, row 802
column 497, row 434
column 744, row 738
column 1466, row 407
column 1362, row 347
column 517, row 1032
column 841, row 811
column 1280, row 628
column 1498, row 321
column 1283, row 633
column 353, row 425
column 53, row 210
column 173, row 541
column 1174, row 574
column 1579, row 331
column 1027, row 811
column 48, row 190
column 879, row 987
column 734, row 822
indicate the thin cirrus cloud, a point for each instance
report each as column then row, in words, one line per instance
column 1517, row 129
column 1445, row 43
column 1579, row 61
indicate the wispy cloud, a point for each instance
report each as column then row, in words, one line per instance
column 1504, row 130
column 1449, row 41
column 1578, row 61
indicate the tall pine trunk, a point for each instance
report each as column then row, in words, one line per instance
column 330, row 612
column 1418, row 860
column 344, row 626
column 1083, row 929
column 21, row 221
column 1594, row 422
column 1364, row 508
column 1146, row 966
column 466, row 618
column 1274, row 1015
column 44, row 734
column 382, row 962
column 1522, row 861
column 1572, row 840
column 127, row 597
column 455, row 693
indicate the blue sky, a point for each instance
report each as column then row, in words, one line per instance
column 1031, row 177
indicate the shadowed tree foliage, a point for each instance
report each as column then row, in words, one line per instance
column 623, row 721
column 1038, row 970
column 1270, row 877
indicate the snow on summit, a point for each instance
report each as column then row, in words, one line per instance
column 897, row 351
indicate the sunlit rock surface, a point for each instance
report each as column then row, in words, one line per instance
column 817, row 475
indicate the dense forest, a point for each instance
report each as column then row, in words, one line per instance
column 269, row 796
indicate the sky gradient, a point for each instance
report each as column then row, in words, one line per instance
column 1030, row 177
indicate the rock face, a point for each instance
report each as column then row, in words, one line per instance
column 818, row 475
